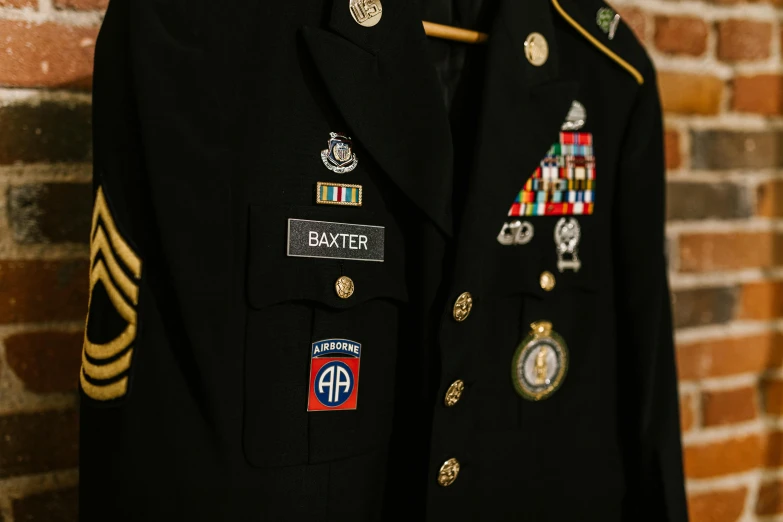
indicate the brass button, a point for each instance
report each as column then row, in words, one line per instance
column 536, row 49
column 454, row 393
column 463, row 306
column 366, row 13
column 448, row 472
column 344, row 287
column 547, row 281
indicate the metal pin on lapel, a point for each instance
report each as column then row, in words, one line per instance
column 366, row 13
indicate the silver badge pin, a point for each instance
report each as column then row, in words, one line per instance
column 608, row 21
column 366, row 13
column 568, row 233
column 576, row 118
column 516, row 233
column 339, row 157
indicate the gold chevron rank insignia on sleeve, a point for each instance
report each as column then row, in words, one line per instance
column 112, row 316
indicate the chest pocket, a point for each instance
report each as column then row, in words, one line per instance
column 292, row 303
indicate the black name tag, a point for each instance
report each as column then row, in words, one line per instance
column 335, row 240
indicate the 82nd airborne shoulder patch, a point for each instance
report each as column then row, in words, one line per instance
column 334, row 375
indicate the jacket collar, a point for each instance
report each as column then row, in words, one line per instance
column 388, row 93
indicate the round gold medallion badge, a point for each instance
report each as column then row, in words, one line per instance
column 540, row 363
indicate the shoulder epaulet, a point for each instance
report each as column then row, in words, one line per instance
column 602, row 27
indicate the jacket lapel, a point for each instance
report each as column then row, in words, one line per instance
column 523, row 109
column 387, row 91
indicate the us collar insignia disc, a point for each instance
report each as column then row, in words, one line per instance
column 366, row 13
column 540, row 363
column 339, row 156
column 516, row 233
column 576, row 118
column 338, row 194
column 334, row 375
column 608, row 21
column 568, row 233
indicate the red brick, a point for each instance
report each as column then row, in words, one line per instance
column 729, row 406
column 703, row 306
column 36, row 291
column 52, row 506
column 730, row 251
column 681, row 35
column 672, row 145
column 720, row 149
column 82, row 5
column 769, row 199
column 38, row 442
column 724, row 458
column 762, row 300
column 50, row 212
column 46, row 55
column 729, row 356
column 774, row 449
column 717, row 506
column 636, row 20
column 685, row 93
column 773, row 396
column 687, row 414
column 44, row 133
column 770, row 499
column 761, row 94
column 744, row 40
column 47, row 362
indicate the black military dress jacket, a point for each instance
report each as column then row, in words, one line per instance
column 486, row 338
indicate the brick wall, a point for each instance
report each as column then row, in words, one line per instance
column 722, row 87
column 46, row 50
column 721, row 82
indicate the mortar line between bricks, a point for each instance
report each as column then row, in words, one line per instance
column 751, row 224
column 65, row 326
column 731, row 122
column 34, row 97
column 707, row 436
column 723, row 483
column 711, row 12
column 729, row 382
column 22, row 486
column 721, row 279
column 731, row 330
column 64, row 17
column 741, row 177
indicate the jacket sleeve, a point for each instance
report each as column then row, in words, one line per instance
column 648, row 404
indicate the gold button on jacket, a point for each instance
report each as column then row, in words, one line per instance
column 463, row 307
column 454, row 393
column 448, row 472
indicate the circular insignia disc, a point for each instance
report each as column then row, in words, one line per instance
column 540, row 364
column 366, row 13
column 536, row 49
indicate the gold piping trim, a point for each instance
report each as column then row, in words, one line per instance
column 124, row 251
column 112, row 348
column 105, row 372
column 101, row 244
column 111, row 391
column 625, row 65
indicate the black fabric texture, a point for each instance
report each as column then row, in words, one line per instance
column 210, row 119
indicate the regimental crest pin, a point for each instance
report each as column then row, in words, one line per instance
column 568, row 233
column 540, row 363
column 334, row 375
column 339, row 156
column 608, row 21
